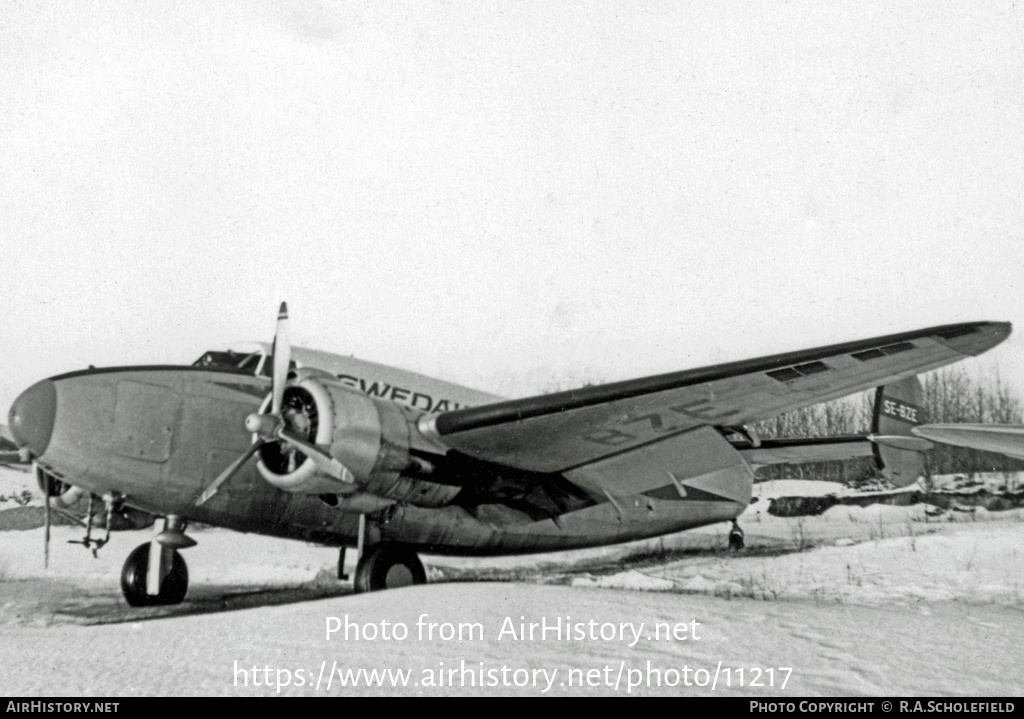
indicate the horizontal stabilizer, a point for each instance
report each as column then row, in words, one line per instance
column 895, row 441
column 1002, row 439
column 812, row 449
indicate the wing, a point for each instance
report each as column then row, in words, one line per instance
column 1002, row 439
column 556, row 432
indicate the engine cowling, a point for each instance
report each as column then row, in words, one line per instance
column 61, row 493
column 369, row 436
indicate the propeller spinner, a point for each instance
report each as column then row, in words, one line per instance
column 279, row 424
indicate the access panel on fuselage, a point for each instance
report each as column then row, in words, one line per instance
column 145, row 417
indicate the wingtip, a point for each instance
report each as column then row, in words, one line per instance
column 973, row 338
column 1001, row 328
column 997, row 332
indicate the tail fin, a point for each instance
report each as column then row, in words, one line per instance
column 899, row 407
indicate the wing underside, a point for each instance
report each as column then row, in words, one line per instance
column 562, row 431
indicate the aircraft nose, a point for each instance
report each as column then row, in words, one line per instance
column 31, row 416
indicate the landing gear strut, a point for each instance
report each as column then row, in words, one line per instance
column 387, row 566
column 735, row 537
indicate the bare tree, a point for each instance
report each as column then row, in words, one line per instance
column 953, row 396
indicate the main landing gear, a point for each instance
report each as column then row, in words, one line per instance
column 735, row 537
column 388, row 566
column 382, row 565
column 155, row 573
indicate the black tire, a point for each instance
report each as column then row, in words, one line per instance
column 736, row 539
column 133, row 580
column 388, row 566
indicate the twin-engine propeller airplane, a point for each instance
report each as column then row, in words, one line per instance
column 351, row 453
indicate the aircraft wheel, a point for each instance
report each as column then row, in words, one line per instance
column 133, row 580
column 388, row 566
column 736, row 538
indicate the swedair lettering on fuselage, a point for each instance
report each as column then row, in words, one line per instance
column 425, row 394
column 371, row 378
column 412, row 398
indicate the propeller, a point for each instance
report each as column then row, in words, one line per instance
column 272, row 426
column 282, row 350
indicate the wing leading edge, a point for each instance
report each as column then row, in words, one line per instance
column 556, row 432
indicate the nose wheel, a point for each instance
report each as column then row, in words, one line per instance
column 736, row 537
column 135, row 573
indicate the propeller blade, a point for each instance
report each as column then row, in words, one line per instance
column 228, row 473
column 325, row 462
column 282, row 358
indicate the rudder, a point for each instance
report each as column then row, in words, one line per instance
column 899, row 407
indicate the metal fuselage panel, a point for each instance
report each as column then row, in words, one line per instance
column 420, row 392
column 159, row 436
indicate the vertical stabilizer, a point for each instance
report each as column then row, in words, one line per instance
column 899, row 407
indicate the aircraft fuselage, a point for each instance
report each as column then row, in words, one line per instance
column 157, row 436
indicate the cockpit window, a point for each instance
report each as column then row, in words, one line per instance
column 268, row 367
column 238, row 361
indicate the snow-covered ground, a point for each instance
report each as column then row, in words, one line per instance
column 881, row 600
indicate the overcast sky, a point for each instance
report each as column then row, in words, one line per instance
column 510, row 195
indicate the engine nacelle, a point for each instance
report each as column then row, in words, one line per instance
column 61, row 493
column 371, row 437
